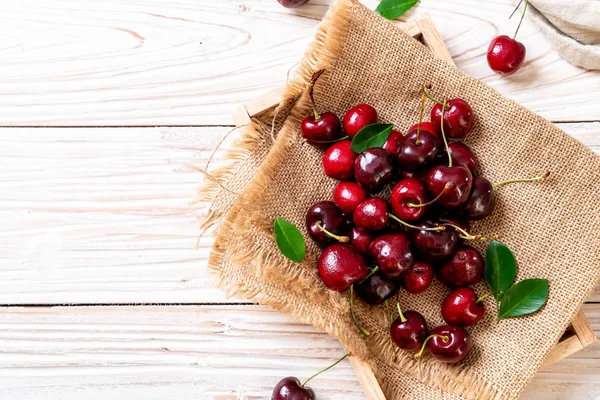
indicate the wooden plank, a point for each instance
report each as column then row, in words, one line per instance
column 225, row 352
column 181, row 62
column 102, row 215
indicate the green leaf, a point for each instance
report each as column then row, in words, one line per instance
column 524, row 298
column 289, row 240
column 392, row 9
column 500, row 268
column 373, row 135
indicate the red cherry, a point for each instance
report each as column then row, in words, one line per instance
column 409, row 330
column 360, row 240
column 418, row 278
column 338, row 161
column 340, row 266
column 462, row 155
column 461, row 307
column 348, row 195
column 417, row 151
column 325, row 129
column 458, row 118
column 434, row 245
column 371, row 214
column 392, row 253
column 374, row 168
column 358, row 117
column 505, row 55
column 428, row 126
column 481, row 201
column 455, row 183
column 290, row 388
column 450, row 344
column 292, row 3
column 376, row 288
column 326, row 224
column 463, row 269
column 392, row 144
column 408, row 191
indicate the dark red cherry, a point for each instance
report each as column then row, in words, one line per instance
column 290, row 388
column 418, row 278
column 371, row 215
column 455, row 182
column 292, row 4
column 392, row 144
column 338, row 161
column 325, row 129
column 376, row 289
column 462, row 155
column 348, row 195
column 409, row 331
column 458, row 118
column 340, row 266
column 461, row 307
column 392, row 253
column 358, row 117
column 360, row 240
column 465, row 268
column 481, row 200
column 505, row 55
column 417, row 152
column 428, row 126
column 332, row 222
column 451, row 344
column 434, row 245
column 374, row 168
column 408, row 192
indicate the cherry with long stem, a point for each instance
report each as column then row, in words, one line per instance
column 467, row 236
column 444, row 135
column 354, row 319
column 448, row 186
column 423, row 97
column 437, row 228
column 324, row 369
column 537, row 178
column 429, row 96
column 311, row 87
column 420, row 353
column 522, row 16
column 342, row 239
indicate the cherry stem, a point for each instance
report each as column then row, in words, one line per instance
column 311, row 86
column 485, row 296
column 444, row 135
column 389, row 319
column 467, row 236
column 522, row 16
column 370, row 274
column 423, row 97
column 437, row 228
column 516, row 8
column 402, row 317
column 342, row 239
column 426, row 93
column 328, row 141
column 537, row 178
column 360, row 328
column 420, row 353
column 449, row 185
column 325, row 369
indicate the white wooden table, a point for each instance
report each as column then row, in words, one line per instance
column 104, row 106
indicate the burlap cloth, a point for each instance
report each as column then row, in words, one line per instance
column 552, row 227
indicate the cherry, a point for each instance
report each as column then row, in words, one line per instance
column 376, row 288
column 338, row 161
column 434, row 245
column 290, row 388
column 418, row 278
column 458, row 118
column 505, row 55
column 292, row 3
column 462, row 307
column 326, row 224
column 392, row 253
column 358, row 117
column 392, row 144
column 481, row 200
column 462, row 155
column 360, row 240
column 428, row 126
column 374, row 168
column 320, row 132
column 340, row 266
column 464, row 269
column 348, row 195
column 448, row 343
column 452, row 184
column 405, row 195
column 409, row 330
column 418, row 150
column 371, row 214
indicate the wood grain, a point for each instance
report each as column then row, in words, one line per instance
column 190, row 62
column 225, row 352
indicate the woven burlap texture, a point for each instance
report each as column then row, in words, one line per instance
column 552, row 227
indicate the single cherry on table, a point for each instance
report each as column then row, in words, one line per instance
column 374, row 168
column 462, row 307
column 326, row 223
column 340, row 266
column 338, row 161
column 409, row 330
column 465, row 268
column 505, row 55
column 358, row 117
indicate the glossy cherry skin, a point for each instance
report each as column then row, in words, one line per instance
column 340, row 266
column 408, row 191
column 481, row 200
column 325, row 129
column 331, row 219
column 418, row 278
column 376, row 289
column 392, row 144
column 371, row 215
column 374, row 168
column 415, row 156
column 453, row 350
column 458, row 118
column 410, row 334
column 461, row 308
column 505, row 55
column 458, row 176
column 290, row 388
column 392, row 253
column 348, row 195
column 358, row 117
column 465, row 268
column 360, row 240
column 434, row 245
column 338, row 161
column 462, row 155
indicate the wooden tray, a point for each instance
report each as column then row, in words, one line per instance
column 579, row 335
